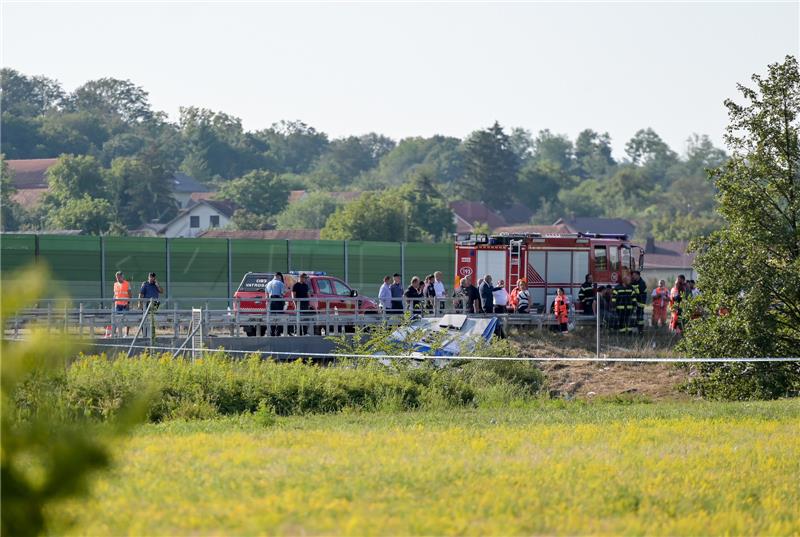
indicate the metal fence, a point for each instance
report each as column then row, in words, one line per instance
column 194, row 269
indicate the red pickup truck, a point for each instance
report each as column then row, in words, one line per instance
column 326, row 293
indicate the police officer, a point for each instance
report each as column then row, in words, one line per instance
column 640, row 288
column 623, row 300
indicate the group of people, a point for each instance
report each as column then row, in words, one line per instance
column 621, row 307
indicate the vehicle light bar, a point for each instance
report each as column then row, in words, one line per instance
column 308, row 272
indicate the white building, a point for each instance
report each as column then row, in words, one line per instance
column 199, row 217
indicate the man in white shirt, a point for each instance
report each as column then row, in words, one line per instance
column 438, row 288
column 385, row 294
column 500, row 297
column 275, row 291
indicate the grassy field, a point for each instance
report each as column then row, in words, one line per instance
column 551, row 467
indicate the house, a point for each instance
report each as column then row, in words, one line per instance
column 666, row 260
column 584, row 224
column 262, row 234
column 467, row 213
column 29, row 178
column 197, row 218
column 185, row 187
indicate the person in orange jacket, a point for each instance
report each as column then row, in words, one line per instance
column 675, row 299
column 660, row 297
column 561, row 310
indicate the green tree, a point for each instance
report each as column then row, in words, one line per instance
column 9, row 209
column 372, row 217
column 294, row 146
column 74, row 176
column 140, row 190
column 90, row 215
column 428, row 216
column 114, row 99
column 311, row 212
column 347, row 158
column 648, row 150
column 259, row 192
column 490, row 168
column 29, row 96
column 751, row 267
column 593, row 154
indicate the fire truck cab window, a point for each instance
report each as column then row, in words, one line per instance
column 613, row 257
column 626, row 258
column 600, row 259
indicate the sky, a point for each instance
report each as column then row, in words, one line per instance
column 418, row 68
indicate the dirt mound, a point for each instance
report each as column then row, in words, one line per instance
column 605, row 379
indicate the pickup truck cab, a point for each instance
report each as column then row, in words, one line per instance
column 326, row 294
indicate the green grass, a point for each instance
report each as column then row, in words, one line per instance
column 547, row 467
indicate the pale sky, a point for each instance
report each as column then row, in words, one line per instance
column 414, row 68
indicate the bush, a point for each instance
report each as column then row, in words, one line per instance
column 96, row 387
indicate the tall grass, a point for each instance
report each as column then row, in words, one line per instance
column 97, row 387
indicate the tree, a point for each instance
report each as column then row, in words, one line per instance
column 73, row 176
column 90, row 215
column 347, row 158
column 140, row 190
column 114, row 99
column 311, row 212
column 9, row 209
column 648, row 150
column 428, row 216
column 490, row 167
column 750, row 269
column 293, row 145
column 28, row 96
column 258, row 192
column 593, row 154
column 370, row 218
column 439, row 155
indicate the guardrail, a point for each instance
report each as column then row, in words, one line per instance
column 273, row 317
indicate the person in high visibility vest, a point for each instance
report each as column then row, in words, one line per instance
column 640, row 288
column 561, row 310
column 624, row 302
column 675, row 299
column 122, row 299
column 660, row 298
column 122, row 292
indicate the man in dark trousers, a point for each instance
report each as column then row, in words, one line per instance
column 640, row 288
column 397, row 294
column 300, row 295
column 586, row 296
column 470, row 296
column 487, row 298
column 623, row 300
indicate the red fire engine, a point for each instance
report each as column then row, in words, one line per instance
column 547, row 261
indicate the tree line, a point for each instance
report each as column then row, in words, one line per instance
column 120, row 156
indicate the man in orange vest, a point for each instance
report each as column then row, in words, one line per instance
column 122, row 293
column 660, row 304
column 122, row 296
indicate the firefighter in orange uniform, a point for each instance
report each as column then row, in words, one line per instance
column 660, row 297
column 561, row 310
column 675, row 298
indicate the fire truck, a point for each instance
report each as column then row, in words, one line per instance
column 547, row 261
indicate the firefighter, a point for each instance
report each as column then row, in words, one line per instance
column 641, row 298
column 624, row 302
column 586, row 296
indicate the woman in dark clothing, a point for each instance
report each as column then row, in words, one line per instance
column 429, row 291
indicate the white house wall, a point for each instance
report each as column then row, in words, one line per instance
column 180, row 227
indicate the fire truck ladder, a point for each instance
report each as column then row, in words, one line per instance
column 516, row 269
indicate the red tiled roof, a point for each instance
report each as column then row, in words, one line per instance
column 30, row 173
column 198, row 196
column 263, row 234
column 469, row 212
column 668, row 254
column 28, row 197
